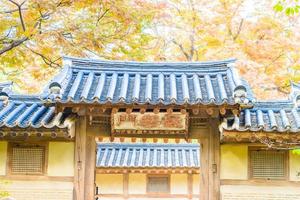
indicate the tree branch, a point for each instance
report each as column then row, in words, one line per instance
column 239, row 30
column 20, row 12
column 46, row 60
column 101, row 16
column 13, row 45
column 182, row 49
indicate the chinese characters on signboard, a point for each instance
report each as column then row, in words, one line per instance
column 175, row 122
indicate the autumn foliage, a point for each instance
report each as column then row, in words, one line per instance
column 265, row 39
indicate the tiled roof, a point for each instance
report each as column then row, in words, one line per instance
column 148, row 155
column 23, row 111
column 5, row 88
column 271, row 116
column 116, row 82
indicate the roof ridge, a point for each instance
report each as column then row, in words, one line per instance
column 148, row 145
column 120, row 62
column 26, row 98
column 273, row 105
column 267, row 101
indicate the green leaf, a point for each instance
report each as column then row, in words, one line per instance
column 296, row 151
column 278, row 7
column 288, row 11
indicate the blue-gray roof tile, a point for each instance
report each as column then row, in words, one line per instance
column 147, row 155
column 23, row 111
column 268, row 116
column 89, row 81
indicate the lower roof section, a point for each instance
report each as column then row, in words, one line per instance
column 22, row 112
column 148, row 155
column 269, row 116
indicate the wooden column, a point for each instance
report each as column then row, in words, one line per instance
column 214, row 160
column 125, row 185
column 90, row 168
column 85, row 155
column 204, row 169
column 190, row 185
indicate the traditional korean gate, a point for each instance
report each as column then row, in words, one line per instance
column 202, row 92
column 94, row 127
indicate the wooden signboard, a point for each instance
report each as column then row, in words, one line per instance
column 149, row 123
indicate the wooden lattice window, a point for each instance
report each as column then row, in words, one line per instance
column 268, row 164
column 27, row 159
column 158, row 184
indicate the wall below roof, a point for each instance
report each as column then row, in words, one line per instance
column 40, row 190
column 235, row 184
column 294, row 166
column 57, row 183
column 61, row 159
column 179, row 184
column 137, row 184
column 245, row 192
column 111, row 186
column 196, row 184
column 110, row 183
column 3, row 157
column 234, row 162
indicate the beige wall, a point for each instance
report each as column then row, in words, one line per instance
column 234, row 165
column 60, row 163
column 137, row 183
column 234, row 162
column 3, row 156
column 110, row 183
column 61, row 159
column 40, row 190
column 244, row 192
column 294, row 166
column 196, row 184
column 179, row 184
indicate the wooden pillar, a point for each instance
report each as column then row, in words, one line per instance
column 125, row 185
column 85, row 155
column 210, row 162
column 90, row 171
column 190, row 185
column 204, row 169
column 214, row 160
